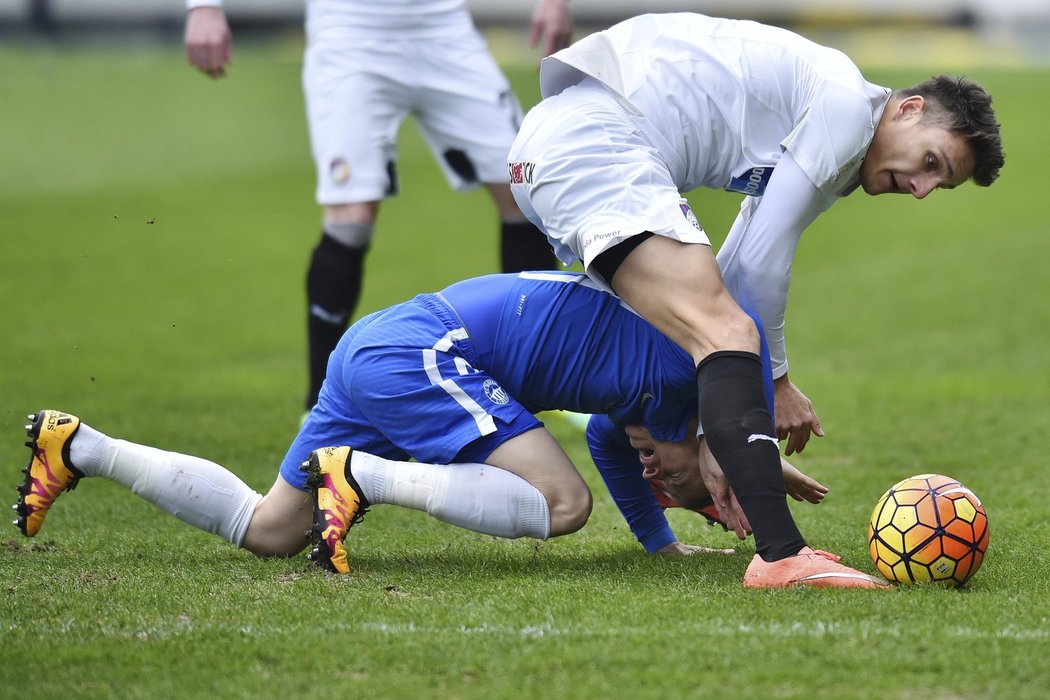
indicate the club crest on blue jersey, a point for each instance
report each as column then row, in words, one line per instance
column 496, row 393
column 751, row 182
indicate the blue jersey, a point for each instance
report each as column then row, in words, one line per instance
column 559, row 342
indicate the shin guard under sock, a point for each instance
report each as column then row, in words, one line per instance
column 333, row 285
column 739, row 431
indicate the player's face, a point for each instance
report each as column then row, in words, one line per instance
column 677, row 464
column 907, row 156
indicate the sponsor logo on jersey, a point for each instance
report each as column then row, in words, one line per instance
column 752, row 182
column 495, row 392
column 521, row 173
column 339, row 169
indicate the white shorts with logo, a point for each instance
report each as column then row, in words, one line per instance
column 359, row 92
column 584, row 173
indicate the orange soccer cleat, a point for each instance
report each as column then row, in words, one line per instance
column 810, row 567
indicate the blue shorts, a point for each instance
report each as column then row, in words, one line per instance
column 402, row 383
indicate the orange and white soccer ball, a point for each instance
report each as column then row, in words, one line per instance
column 928, row 528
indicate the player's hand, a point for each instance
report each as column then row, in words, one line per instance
column 551, row 19
column 725, row 500
column 208, row 42
column 680, row 549
column 796, row 419
column 801, row 487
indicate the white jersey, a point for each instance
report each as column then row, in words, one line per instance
column 723, row 101
column 395, row 18
column 728, row 96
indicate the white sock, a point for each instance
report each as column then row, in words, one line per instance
column 477, row 497
column 198, row 492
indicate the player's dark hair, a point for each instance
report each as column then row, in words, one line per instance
column 964, row 107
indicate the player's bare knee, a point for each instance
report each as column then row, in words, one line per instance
column 354, row 213
column 734, row 331
column 570, row 511
column 273, row 544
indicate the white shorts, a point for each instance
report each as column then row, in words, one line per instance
column 359, row 92
column 584, row 173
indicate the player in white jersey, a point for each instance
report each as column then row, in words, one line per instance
column 660, row 104
column 367, row 66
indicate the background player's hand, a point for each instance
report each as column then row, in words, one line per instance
column 680, row 549
column 208, row 41
column 796, row 419
column 725, row 500
column 551, row 19
column 801, row 487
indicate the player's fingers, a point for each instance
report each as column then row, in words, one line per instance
column 535, row 32
column 736, row 520
column 818, row 430
column 557, row 42
column 195, row 56
column 727, row 515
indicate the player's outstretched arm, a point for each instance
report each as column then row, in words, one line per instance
column 551, row 21
column 209, row 45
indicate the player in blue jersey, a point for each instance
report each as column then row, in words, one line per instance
column 451, row 380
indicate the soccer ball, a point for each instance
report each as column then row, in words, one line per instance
column 928, row 528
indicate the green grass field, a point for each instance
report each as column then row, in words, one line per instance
column 155, row 229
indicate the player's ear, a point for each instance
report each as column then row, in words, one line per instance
column 912, row 107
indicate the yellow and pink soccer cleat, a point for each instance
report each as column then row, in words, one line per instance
column 338, row 505
column 810, row 567
column 49, row 471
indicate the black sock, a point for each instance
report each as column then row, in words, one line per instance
column 740, row 433
column 333, row 285
column 524, row 247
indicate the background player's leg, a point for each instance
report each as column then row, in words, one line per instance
column 333, row 283
column 522, row 245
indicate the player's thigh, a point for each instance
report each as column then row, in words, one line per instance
column 585, row 170
column 279, row 521
column 467, row 113
column 353, row 114
column 410, row 375
column 678, row 288
column 538, row 458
